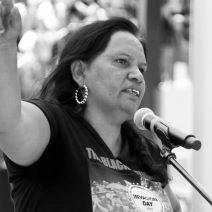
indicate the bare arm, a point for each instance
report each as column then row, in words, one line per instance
column 24, row 130
column 10, row 27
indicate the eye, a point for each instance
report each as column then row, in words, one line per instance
column 142, row 69
column 122, row 61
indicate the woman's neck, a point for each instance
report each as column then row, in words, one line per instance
column 109, row 131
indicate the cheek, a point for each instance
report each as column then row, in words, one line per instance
column 106, row 80
column 103, row 87
column 143, row 89
column 116, row 81
column 109, row 82
column 112, row 90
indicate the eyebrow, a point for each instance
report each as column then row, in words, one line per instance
column 125, row 54
column 140, row 64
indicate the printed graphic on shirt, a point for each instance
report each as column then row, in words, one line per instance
column 115, row 187
column 145, row 199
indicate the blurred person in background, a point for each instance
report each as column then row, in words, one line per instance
column 76, row 136
column 45, row 27
column 175, row 29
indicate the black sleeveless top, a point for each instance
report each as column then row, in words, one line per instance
column 77, row 169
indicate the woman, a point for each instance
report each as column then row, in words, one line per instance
column 73, row 149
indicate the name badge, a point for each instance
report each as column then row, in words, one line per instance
column 145, row 199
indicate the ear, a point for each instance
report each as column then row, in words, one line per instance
column 78, row 71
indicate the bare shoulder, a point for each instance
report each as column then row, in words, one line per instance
column 173, row 199
column 26, row 142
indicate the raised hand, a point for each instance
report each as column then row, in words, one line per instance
column 10, row 22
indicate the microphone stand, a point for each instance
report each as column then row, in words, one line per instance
column 171, row 159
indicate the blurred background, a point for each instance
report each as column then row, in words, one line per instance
column 179, row 76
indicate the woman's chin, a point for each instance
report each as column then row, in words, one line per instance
column 130, row 111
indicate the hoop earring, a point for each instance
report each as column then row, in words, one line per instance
column 84, row 93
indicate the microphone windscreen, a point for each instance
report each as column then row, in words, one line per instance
column 139, row 117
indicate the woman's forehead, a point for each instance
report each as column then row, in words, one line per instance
column 125, row 43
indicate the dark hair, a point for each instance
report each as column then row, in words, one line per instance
column 85, row 44
column 146, row 152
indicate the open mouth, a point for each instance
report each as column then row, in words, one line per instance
column 133, row 91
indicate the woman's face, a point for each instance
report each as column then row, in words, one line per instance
column 115, row 77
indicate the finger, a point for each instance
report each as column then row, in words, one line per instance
column 1, row 22
column 16, row 19
column 5, row 10
column 7, row 6
column 7, row 3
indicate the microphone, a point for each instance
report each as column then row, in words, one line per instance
column 145, row 119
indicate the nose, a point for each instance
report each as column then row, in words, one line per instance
column 136, row 75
